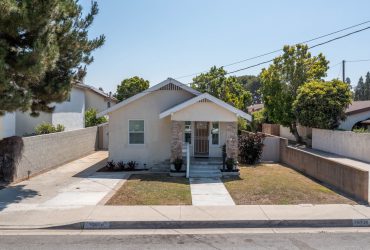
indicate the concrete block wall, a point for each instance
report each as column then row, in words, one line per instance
column 44, row 152
column 271, row 129
column 346, row 143
column 348, row 179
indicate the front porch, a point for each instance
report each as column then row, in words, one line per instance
column 202, row 128
column 205, row 141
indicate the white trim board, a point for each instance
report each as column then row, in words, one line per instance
column 211, row 98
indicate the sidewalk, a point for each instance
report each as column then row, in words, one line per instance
column 149, row 217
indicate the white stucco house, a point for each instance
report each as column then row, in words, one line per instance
column 357, row 112
column 69, row 113
column 152, row 126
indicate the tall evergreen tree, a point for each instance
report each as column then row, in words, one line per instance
column 44, row 50
column 360, row 90
column 367, row 86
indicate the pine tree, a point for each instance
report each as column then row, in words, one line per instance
column 362, row 90
column 44, row 50
column 367, row 87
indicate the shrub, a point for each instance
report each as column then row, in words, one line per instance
column 121, row 165
column 360, row 130
column 178, row 164
column 250, row 147
column 91, row 119
column 110, row 165
column 47, row 128
column 131, row 165
column 230, row 163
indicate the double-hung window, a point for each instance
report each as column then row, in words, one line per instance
column 187, row 132
column 215, row 131
column 136, row 131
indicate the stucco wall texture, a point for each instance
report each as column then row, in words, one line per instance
column 43, row 152
column 346, row 143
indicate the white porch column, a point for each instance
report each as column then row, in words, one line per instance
column 176, row 140
column 232, row 140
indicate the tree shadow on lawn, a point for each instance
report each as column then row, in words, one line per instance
column 15, row 194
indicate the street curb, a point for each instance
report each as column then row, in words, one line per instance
column 91, row 225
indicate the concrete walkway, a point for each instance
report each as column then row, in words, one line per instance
column 209, row 192
column 188, row 216
column 72, row 185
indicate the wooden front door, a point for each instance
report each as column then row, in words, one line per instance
column 201, row 140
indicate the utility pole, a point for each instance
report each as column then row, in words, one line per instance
column 344, row 70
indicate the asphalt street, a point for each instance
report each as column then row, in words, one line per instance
column 189, row 241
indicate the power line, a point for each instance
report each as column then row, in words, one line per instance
column 313, row 46
column 361, row 60
column 278, row 50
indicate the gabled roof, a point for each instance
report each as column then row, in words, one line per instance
column 208, row 97
column 357, row 107
column 146, row 92
column 96, row 91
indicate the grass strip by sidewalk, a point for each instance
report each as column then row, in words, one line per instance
column 275, row 184
column 153, row 189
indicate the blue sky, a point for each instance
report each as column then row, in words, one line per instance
column 168, row 38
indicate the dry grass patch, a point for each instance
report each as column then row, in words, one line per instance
column 153, row 189
column 268, row 184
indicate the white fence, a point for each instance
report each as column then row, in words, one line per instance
column 346, row 143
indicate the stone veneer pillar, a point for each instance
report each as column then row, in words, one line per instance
column 232, row 140
column 176, row 140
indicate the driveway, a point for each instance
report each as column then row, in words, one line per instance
column 72, row 185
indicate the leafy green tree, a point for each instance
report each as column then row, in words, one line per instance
column 282, row 79
column 226, row 88
column 44, row 50
column 253, row 85
column 91, row 119
column 130, row 87
column 322, row 104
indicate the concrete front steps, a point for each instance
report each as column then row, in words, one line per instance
column 205, row 168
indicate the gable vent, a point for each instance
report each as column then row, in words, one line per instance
column 204, row 100
column 170, row 86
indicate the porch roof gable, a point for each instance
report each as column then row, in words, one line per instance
column 208, row 97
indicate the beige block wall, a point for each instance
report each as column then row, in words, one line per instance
column 43, row 152
column 348, row 179
column 157, row 136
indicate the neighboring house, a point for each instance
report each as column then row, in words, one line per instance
column 255, row 107
column 69, row 113
column 152, row 126
column 7, row 125
column 357, row 112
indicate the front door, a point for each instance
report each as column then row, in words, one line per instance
column 201, row 140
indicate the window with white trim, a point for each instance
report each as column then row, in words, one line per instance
column 187, row 132
column 136, row 131
column 215, row 131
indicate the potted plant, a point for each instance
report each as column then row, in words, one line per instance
column 230, row 163
column 178, row 164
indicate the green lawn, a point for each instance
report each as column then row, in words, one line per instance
column 276, row 184
column 153, row 189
